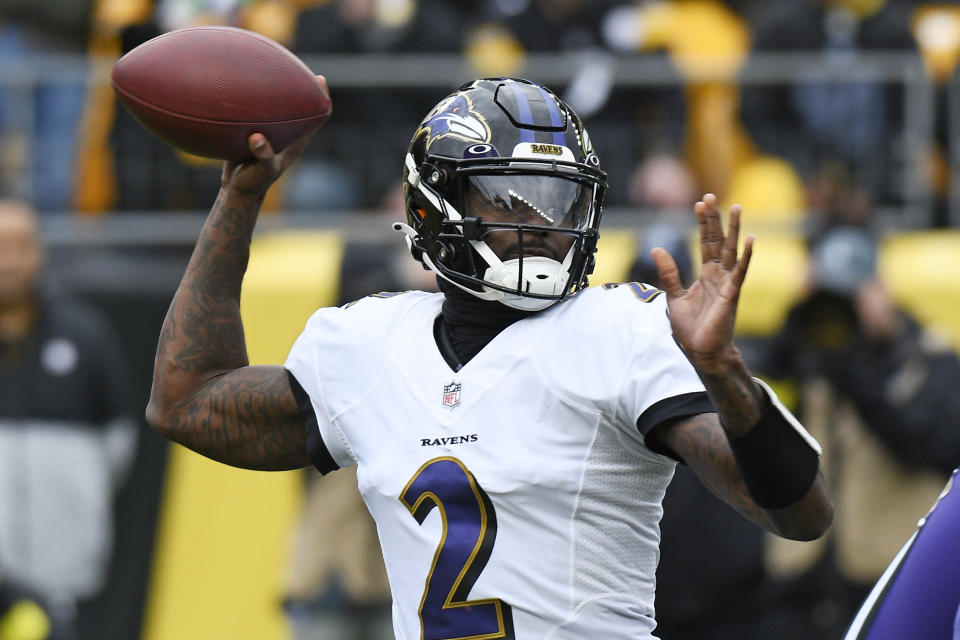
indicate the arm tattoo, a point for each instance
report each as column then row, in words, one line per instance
column 736, row 396
column 702, row 443
column 204, row 394
column 206, row 333
column 247, row 418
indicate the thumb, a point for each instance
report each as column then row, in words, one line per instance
column 668, row 272
column 260, row 146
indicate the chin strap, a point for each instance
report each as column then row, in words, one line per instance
column 410, row 233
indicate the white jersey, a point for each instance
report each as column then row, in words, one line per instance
column 514, row 498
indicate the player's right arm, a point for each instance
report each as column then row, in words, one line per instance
column 205, row 395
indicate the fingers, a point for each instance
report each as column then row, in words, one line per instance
column 711, row 228
column 714, row 245
column 728, row 253
column 255, row 174
column 740, row 269
column 323, row 85
column 700, row 209
column 668, row 272
column 275, row 161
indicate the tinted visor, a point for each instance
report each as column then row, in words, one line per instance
column 550, row 201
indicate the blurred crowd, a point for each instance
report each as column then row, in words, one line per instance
column 817, row 154
column 66, row 146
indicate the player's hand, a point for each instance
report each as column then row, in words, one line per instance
column 255, row 175
column 702, row 316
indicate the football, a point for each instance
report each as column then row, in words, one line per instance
column 206, row 89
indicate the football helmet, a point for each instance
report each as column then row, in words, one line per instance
column 503, row 194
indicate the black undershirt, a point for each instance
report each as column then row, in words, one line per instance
column 467, row 324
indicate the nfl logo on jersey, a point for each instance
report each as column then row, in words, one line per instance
column 451, row 395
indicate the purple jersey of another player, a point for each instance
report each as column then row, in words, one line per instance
column 918, row 596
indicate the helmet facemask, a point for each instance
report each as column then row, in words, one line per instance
column 521, row 232
column 519, row 228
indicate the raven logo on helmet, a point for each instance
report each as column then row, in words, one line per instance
column 455, row 117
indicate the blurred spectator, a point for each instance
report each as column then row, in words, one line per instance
column 351, row 159
column 835, row 198
column 661, row 185
column 708, row 43
column 663, row 182
column 887, row 388
column 371, row 26
column 810, row 122
column 936, row 27
column 66, row 431
column 549, row 26
column 39, row 123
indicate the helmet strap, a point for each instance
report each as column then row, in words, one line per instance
column 409, row 236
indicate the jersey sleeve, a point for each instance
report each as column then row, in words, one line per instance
column 660, row 383
column 317, row 449
column 306, row 365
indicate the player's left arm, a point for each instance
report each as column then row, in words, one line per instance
column 704, row 445
column 752, row 453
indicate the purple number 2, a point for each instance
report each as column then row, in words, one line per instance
column 469, row 531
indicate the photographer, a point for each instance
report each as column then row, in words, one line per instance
column 887, row 388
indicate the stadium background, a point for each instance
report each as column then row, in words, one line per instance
column 201, row 548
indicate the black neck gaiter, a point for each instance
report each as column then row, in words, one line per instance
column 471, row 323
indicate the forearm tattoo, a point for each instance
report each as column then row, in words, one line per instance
column 209, row 399
column 738, row 399
column 203, row 331
column 706, row 450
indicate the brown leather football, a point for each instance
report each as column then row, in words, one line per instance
column 206, row 89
